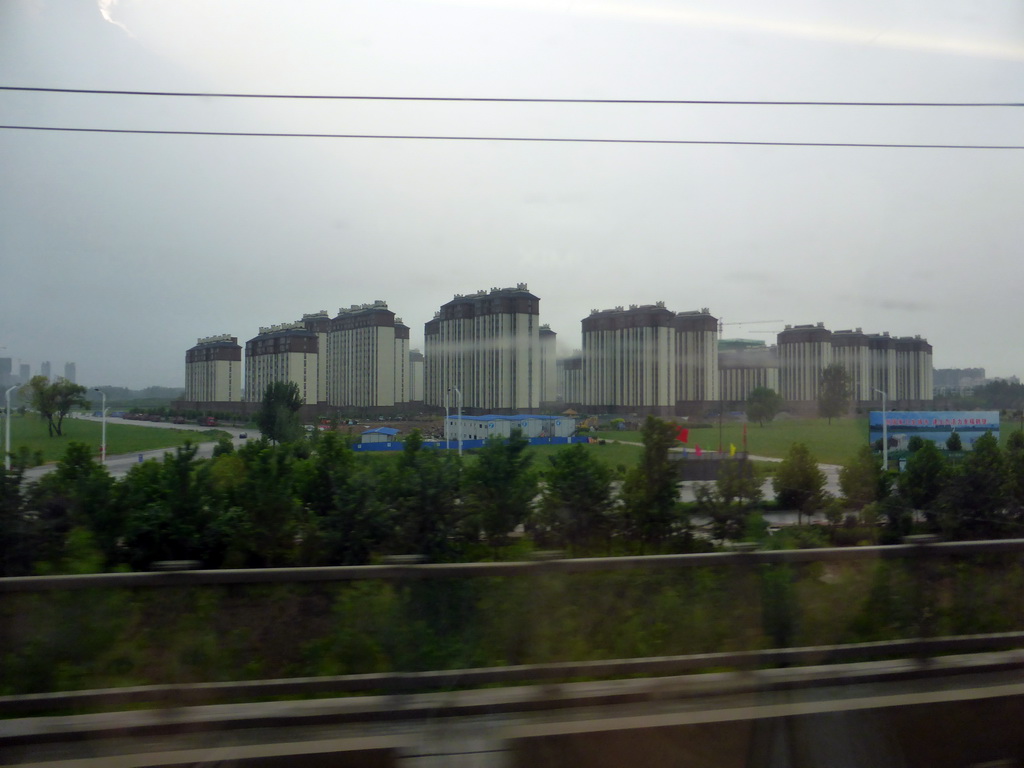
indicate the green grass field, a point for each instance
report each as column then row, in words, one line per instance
column 834, row 443
column 30, row 431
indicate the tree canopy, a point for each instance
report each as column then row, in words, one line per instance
column 799, row 483
column 54, row 400
column 834, row 391
column 763, row 404
column 277, row 417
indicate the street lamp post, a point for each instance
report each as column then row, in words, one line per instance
column 458, row 394
column 446, row 446
column 7, row 427
column 103, row 432
column 885, row 434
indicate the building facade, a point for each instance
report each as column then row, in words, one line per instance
column 629, row 358
column 649, row 358
column 213, row 370
column 487, row 346
column 743, row 366
column 367, row 353
column 900, row 367
column 286, row 352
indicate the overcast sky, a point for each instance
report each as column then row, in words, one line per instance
column 118, row 251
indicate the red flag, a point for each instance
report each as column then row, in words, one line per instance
column 697, row 449
column 683, row 435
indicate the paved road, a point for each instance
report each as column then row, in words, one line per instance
column 119, row 465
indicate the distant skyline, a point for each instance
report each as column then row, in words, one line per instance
column 119, row 250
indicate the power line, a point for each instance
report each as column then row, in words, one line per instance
column 539, row 139
column 500, row 100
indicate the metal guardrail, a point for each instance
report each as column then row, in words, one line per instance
column 418, row 682
column 926, row 545
column 922, row 647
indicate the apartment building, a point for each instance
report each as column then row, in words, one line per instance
column 213, row 370
column 487, row 346
column 743, row 366
column 285, row 352
column 649, row 358
column 367, row 357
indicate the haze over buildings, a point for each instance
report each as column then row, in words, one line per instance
column 116, row 247
column 488, row 352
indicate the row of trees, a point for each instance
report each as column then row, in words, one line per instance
column 318, row 502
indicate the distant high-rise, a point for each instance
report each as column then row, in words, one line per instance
column 286, row 352
column 367, row 357
column 650, row 358
column 44, row 369
column 213, row 370
column 69, row 372
column 416, row 371
column 901, row 367
column 6, row 376
column 487, row 346
column 548, row 364
column 24, row 373
column 743, row 366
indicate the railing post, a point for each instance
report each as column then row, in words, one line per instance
column 922, row 564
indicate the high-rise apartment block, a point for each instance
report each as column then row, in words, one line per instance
column 745, row 365
column 213, row 370
column 287, row 352
column 367, row 357
column 487, row 346
column 648, row 357
column 69, row 372
column 901, row 367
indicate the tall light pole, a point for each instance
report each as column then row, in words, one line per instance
column 7, row 427
column 103, row 433
column 885, row 434
column 459, row 395
column 446, row 446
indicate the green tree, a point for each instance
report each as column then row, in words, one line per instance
column 167, row 511
column 277, row 418
column 729, row 501
column 922, row 480
column 1015, row 479
column 54, row 401
column 834, row 392
column 500, row 487
column 862, row 480
column 422, row 495
column 799, row 483
column 973, row 503
column 763, row 404
column 650, row 492
column 953, row 442
column 575, row 501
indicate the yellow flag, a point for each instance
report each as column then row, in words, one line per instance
column 732, row 449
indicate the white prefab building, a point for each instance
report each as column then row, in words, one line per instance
column 499, row 425
column 379, row 435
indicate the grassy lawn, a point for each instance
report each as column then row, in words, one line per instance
column 30, row 431
column 834, row 443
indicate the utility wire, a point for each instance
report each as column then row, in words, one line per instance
column 482, row 99
column 550, row 139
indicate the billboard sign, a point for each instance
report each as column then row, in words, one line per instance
column 936, row 426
